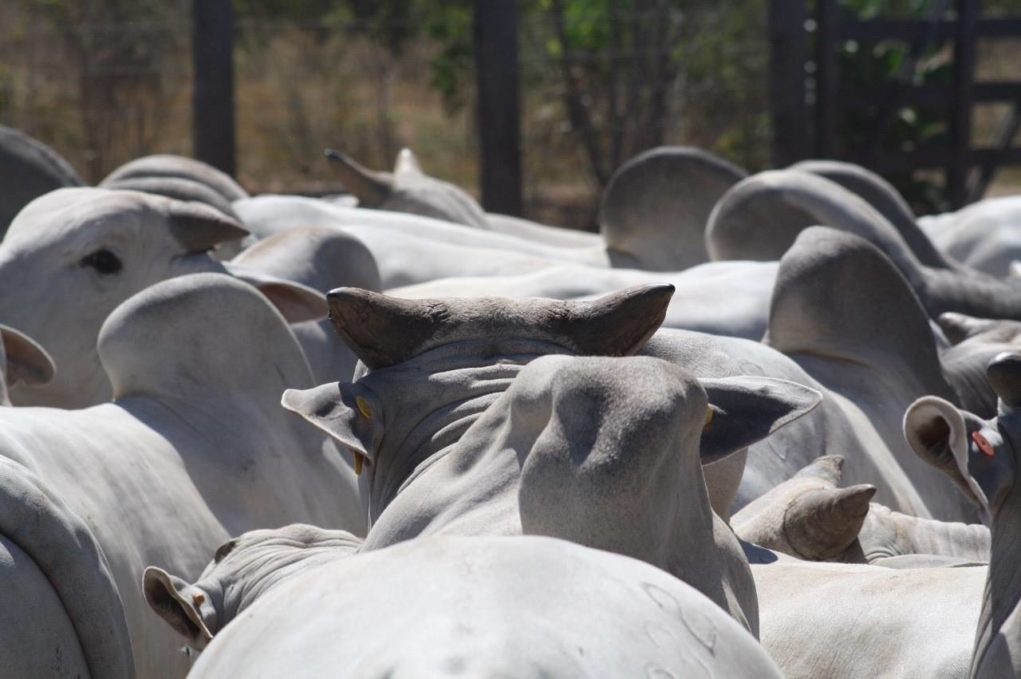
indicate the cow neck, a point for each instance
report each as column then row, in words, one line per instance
column 1001, row 601
column 441, row 393
column 277, row 563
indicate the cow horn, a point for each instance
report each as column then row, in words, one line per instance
column 1004, row 376
column 821, row 524
column 383, row 331
column 620, row 323
column 370, row 188
column 407, row 162
column 829, row 468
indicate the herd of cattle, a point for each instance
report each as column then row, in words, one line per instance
column 758, row 426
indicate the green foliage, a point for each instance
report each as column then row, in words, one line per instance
column 881, row 123
column 449, row 25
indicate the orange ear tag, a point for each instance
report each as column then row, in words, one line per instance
column 983, row 444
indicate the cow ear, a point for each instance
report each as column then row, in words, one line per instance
column 938, row 433
column 350, row 413
column 178, row 604
column 743, row 410
column 199, row 227
column 295, row 301
column 27, row 362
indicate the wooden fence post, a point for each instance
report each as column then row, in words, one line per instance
column 788, row 48
column 213, row 132
column 826, row 64
column 499, row 118
column 959, row 169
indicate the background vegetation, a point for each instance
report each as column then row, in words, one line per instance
column 104, row 81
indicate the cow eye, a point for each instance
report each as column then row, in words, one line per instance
column 103, row 261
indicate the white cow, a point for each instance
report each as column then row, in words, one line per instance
column 465, row 424
column 983, row 236
column 294, row 603
column 651, row 216
column 62, row 614
column 71, row 256
column 915, row 622
column 194, row 448
column 811, row 517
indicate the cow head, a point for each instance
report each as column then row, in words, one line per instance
column 242, row 570
column 979, row 455
column 408, row 189
column 433, row 366
column 71, row 256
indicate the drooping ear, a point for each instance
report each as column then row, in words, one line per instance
column 936, row 430
column 296, row 302
column 350, row 413
column 407, row 163
column 27, row 362
column 748, row 409
column 168, row 596
column 370, row 188
column 199, row 227
column 959, row 327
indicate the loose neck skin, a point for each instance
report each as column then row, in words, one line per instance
column 998, row 641
column 260, row 577
column 440, row 393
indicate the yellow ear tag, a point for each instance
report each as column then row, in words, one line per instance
column 709, row 415
column 363, row 407
column 198, row 599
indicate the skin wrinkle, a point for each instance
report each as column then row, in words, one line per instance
column 421, row 441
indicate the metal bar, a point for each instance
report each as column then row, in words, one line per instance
column 826, row 78
column 957, row 171
column 213, row 131
column 499, row 113
column 788, row 50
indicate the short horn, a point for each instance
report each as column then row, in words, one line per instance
column 821, row 524
column 371, row 188
column 407, row 163
column 382, row 330
column 620, row 323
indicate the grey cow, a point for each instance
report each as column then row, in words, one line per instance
column 462, row 419
column 294, row 602
column 193, row 449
